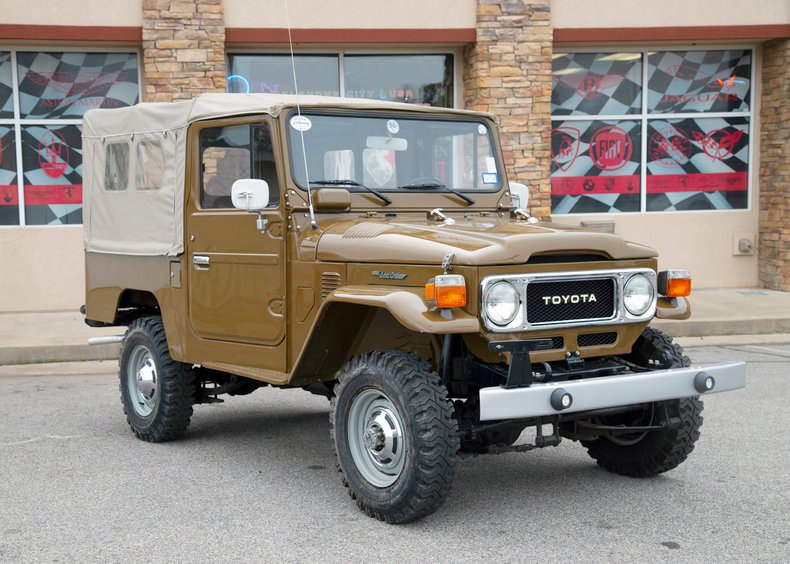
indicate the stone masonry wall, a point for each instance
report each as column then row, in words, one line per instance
column 183, row 48
column 774, row 241
column 508, row 72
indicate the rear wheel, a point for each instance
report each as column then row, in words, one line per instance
column 393, row 434
column 643, row 454
column 157, row 392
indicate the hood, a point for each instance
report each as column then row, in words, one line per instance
column 475, row 241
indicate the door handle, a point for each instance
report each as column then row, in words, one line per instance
column 201, row 261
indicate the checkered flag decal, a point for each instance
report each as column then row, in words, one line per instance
column 52, row 163
column 699, row 81
column 66, row 85
column 6, row 92
column 596, row 84
column 697, row 164
column 595, row 166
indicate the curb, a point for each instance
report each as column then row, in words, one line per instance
column 722, row 327
column 58, row 353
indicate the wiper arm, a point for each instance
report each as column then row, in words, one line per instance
column 430, row 185
column 350, row 182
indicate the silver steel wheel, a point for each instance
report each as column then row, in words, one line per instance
column 142, row 381
column 375, row 438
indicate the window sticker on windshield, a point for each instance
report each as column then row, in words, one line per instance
column 490, row 164
column 393, row 126
column 301, row 123
column 481, row 129
column 490, row 178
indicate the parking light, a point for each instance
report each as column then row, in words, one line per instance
column 674, row 283
column 447, row 290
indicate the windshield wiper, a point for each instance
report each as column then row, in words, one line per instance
column 437, row 185
column 350, row 182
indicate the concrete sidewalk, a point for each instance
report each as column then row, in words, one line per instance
column 63, row 336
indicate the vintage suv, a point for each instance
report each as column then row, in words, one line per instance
column 374, row 253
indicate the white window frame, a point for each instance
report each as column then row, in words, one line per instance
column 644, row 116
column 17, row 122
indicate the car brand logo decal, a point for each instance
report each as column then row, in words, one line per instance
column 610, row 148
column 564, row 146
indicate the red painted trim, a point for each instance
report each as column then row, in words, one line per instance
column 70, row 33
column 304, row 35
column 688, row 33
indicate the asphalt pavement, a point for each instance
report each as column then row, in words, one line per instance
column 254, row 480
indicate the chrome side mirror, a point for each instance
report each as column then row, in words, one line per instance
column 519, row 195
column 250, row 194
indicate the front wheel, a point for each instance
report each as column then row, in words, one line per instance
column 394, row 436
column 644, row 454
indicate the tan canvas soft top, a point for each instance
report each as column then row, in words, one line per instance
column 142, row 213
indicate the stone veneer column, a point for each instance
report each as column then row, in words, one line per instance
column 774, row 151
column 183, row 48
column 508, row 72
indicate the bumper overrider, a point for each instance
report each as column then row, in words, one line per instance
column 604, row 392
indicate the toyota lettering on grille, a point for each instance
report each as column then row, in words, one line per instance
column 570, row 299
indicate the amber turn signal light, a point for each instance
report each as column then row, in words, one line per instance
column 674, row 283
column 447, row 290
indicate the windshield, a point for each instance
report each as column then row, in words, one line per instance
column 391, row 153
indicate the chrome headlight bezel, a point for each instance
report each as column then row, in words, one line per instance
column 639, row 295
column 493, row 290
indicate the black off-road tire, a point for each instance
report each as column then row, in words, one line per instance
column 408, row 388
column 656, row 451
column 164, row 415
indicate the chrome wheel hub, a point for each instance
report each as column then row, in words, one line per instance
column 142, row 381
column 375, row 438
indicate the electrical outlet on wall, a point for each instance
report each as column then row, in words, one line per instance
column 743, row 244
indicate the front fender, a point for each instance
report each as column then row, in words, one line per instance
column 347, row 315
column 408, row 306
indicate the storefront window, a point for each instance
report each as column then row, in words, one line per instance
column 695, row 128
column 6, row 89
column 52, row 92
column 596, row 84
column 273, row 74
column 417, row 79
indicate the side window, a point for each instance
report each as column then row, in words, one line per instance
column 150, row 165
column 116, row 166
column 225, row 157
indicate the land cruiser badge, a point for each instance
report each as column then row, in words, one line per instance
column 389, row 275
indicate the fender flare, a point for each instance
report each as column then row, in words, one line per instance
column 345, row 314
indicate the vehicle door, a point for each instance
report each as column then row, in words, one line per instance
column 236, row 272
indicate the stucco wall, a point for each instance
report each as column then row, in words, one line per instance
column 353, row 14
column 43, row 268
column 121, row 13
column 667, row 13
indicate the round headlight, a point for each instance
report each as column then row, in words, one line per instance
column 502, row 303
column 638, row 294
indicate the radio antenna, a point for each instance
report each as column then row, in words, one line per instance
column 310, row 209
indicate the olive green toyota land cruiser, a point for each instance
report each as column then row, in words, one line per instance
column 375, row 253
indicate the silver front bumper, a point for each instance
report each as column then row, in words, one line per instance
column 609, row 391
